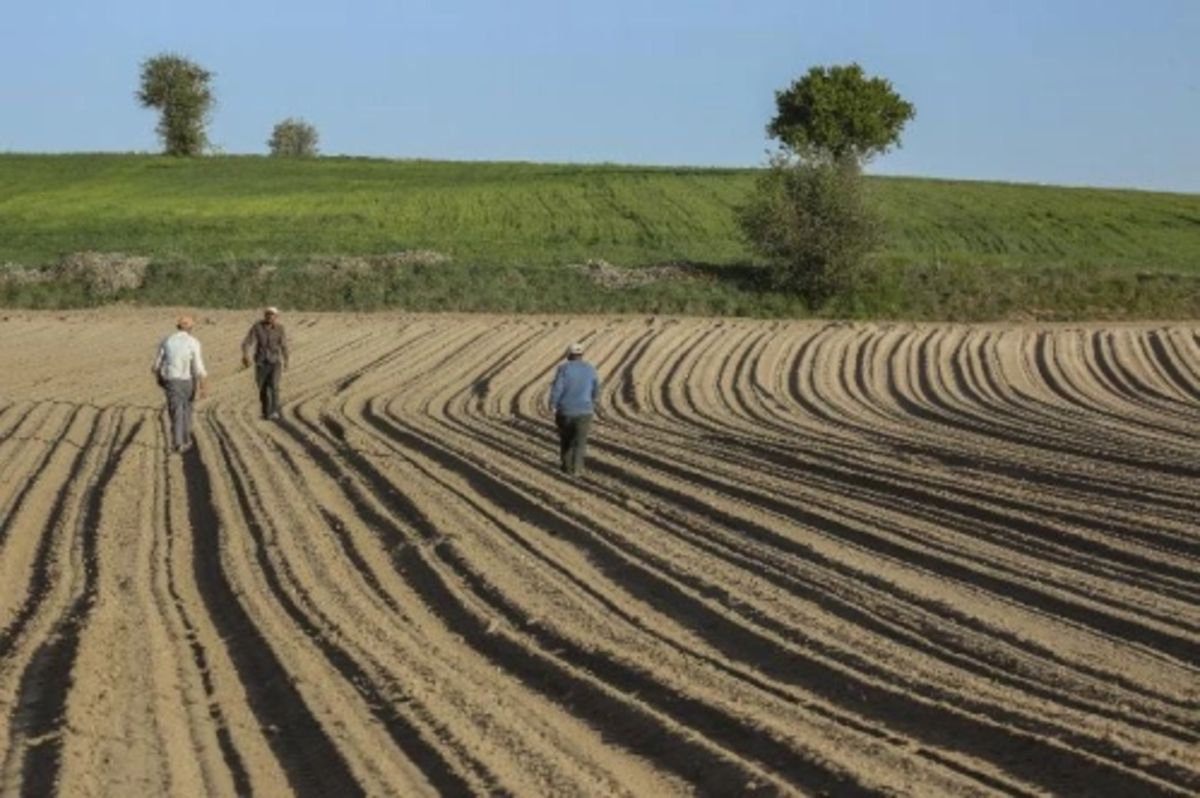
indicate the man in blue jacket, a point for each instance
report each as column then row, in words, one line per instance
column 573, row 397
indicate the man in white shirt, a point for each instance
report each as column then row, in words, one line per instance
column 179, row 369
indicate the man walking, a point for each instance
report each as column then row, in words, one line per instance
column 267, row 344
column 573, row 397
column 179, row 370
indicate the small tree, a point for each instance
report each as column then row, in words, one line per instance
column 809, row 215
column 293, row 138
column 181, row 91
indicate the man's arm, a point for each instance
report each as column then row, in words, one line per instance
column 199, row 372
column 595, row 393
column 284, row 354
column 247, row 343
column 556, row 389
column 160, row 357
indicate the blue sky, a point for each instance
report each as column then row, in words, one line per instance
column 1071, row 92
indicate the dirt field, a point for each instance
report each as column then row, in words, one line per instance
column 806, row 558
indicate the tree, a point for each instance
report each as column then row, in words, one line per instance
column 837, row 112
column 293, row 138
column 809, row 215
column 182, row 93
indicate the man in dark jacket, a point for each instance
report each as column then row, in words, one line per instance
column 267, row 345
column 573, row 397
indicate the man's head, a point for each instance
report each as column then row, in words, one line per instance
column 575, row 351
column 270, row 314
column 185, row 323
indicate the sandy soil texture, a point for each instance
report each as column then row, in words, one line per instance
column 805, row 559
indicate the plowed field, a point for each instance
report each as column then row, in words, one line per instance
column 805, row 558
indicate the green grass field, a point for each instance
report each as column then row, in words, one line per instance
column 210, row 225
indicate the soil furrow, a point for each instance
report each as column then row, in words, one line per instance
column 839, row 687
column 46, row 683
column 804, row 557
column 293, row 595
column 631, row 725
column 310, row 760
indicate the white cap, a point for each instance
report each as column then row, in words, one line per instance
column 575, row 349
column 274, row 311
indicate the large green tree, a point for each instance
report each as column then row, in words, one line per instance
column 181, row 91
column 810, row 215
column 837, row 113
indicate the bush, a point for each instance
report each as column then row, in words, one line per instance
column 103, row 274
column 293, row 138
column 810, row 219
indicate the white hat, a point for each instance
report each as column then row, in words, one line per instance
column 575, row 349
column 274, row 311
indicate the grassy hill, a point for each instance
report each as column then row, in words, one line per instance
column 230, row 230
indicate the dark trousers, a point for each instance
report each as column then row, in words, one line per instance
column 572, row 440
column 180, row 399
column 266, row 377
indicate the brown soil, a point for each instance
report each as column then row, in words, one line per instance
column 805, row 558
